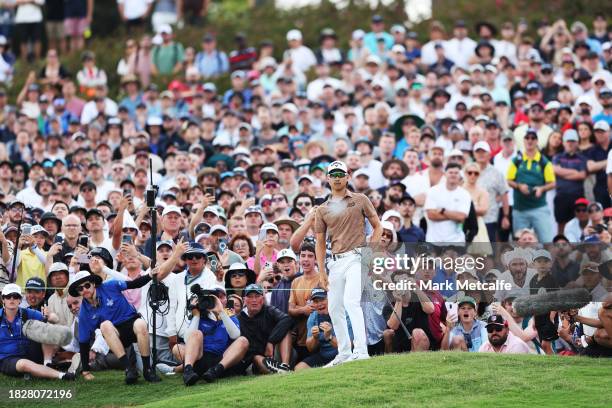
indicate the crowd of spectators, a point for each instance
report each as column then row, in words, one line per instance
column 472, row 138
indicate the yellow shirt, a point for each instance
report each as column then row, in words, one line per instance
column 300, row 293
column 29, row 267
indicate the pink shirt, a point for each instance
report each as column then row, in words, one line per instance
column 513, row 345
column 262, row 259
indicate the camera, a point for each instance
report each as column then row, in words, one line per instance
column 202, row 299
column 150, row 197
column 222, row 245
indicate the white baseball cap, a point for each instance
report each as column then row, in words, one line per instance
column 294, row 35
column 391, row 213
column 171, row 209
column 269, row 226
column 165, row 29
column 358, row 34
column 482, row 145
column 286, row 253
column 216, row 228
column 58, row 267
column 10, row 289
column 337, row 166
column 211, row 209
column 601, row 125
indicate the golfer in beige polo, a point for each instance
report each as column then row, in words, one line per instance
column 342, row 219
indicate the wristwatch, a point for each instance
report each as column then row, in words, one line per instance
column 442, row 211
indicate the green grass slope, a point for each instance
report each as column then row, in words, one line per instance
column 419, row 379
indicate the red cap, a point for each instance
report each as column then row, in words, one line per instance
column 581, row 201
column 608, row 212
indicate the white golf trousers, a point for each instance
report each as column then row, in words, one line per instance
column 344, row 297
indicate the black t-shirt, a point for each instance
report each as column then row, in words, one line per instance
column 565, row 274
column 413, row 317
column 66, row 249
column 549, row 283
column 55, row 10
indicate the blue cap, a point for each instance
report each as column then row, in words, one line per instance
column 195, row 248
column 318, row 293
column 253, row 288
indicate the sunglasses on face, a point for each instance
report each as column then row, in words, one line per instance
column 472, row 173
column 86, row 285
column 192, row 257
column 14, row 296
column 337, row 175
column 580, row 210
column 238, row 274
column 531, row 138
column 491, row 329
column 276, row 278
column 304, row 204
column 271, row 185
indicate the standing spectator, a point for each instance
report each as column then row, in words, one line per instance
column 29, row 26
column 78, row 18
column 535, row 113
column 243, row 57
column 167, row 12
column 7, row 60
column 531, row 175
column 329, row 53
column 378, row 32
column 167, row 58
column 55, row 24
column 494, row 182
column 570, row 171
column 597, row 161
column 53, row 73
column 460, row 48
column 211, row 62
column 134, row 13
column 302, row 57
column 447, row 206
column 90, row 76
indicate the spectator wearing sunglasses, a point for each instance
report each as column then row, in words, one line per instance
column 574, row 228
column 500, row 340
column 238, row 277
column 18, row 354
column 469, row 333
column 196, row 272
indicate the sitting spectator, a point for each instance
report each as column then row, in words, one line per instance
column 214, row 346
column 321, row 340
column 469, row 333
column 500, row 340
column 266, row 328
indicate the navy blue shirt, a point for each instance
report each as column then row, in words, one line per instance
column 597, row 153
column 112, row 306
column 412, row 234
column 12, row 342
column 570, row 161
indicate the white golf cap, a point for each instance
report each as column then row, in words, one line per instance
column 552, row 105
column 361, row 172
column 216, row 228
column 171, row 209
column 358, row 34
column 58, row 267
column 337, row 166
column 290, row 107
column 10, row 289
column 286, row 253
column 306, row 177
column 482, row 145
column 211, row 209
column 570, row 135
column 391, row 213
column 38, row 228
column 269, row 226
column 601, row 125
column 165, row 29
column 294, row 35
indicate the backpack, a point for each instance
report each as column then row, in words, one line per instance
column 200, row 57
column 470, row 225
column 157, row 49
